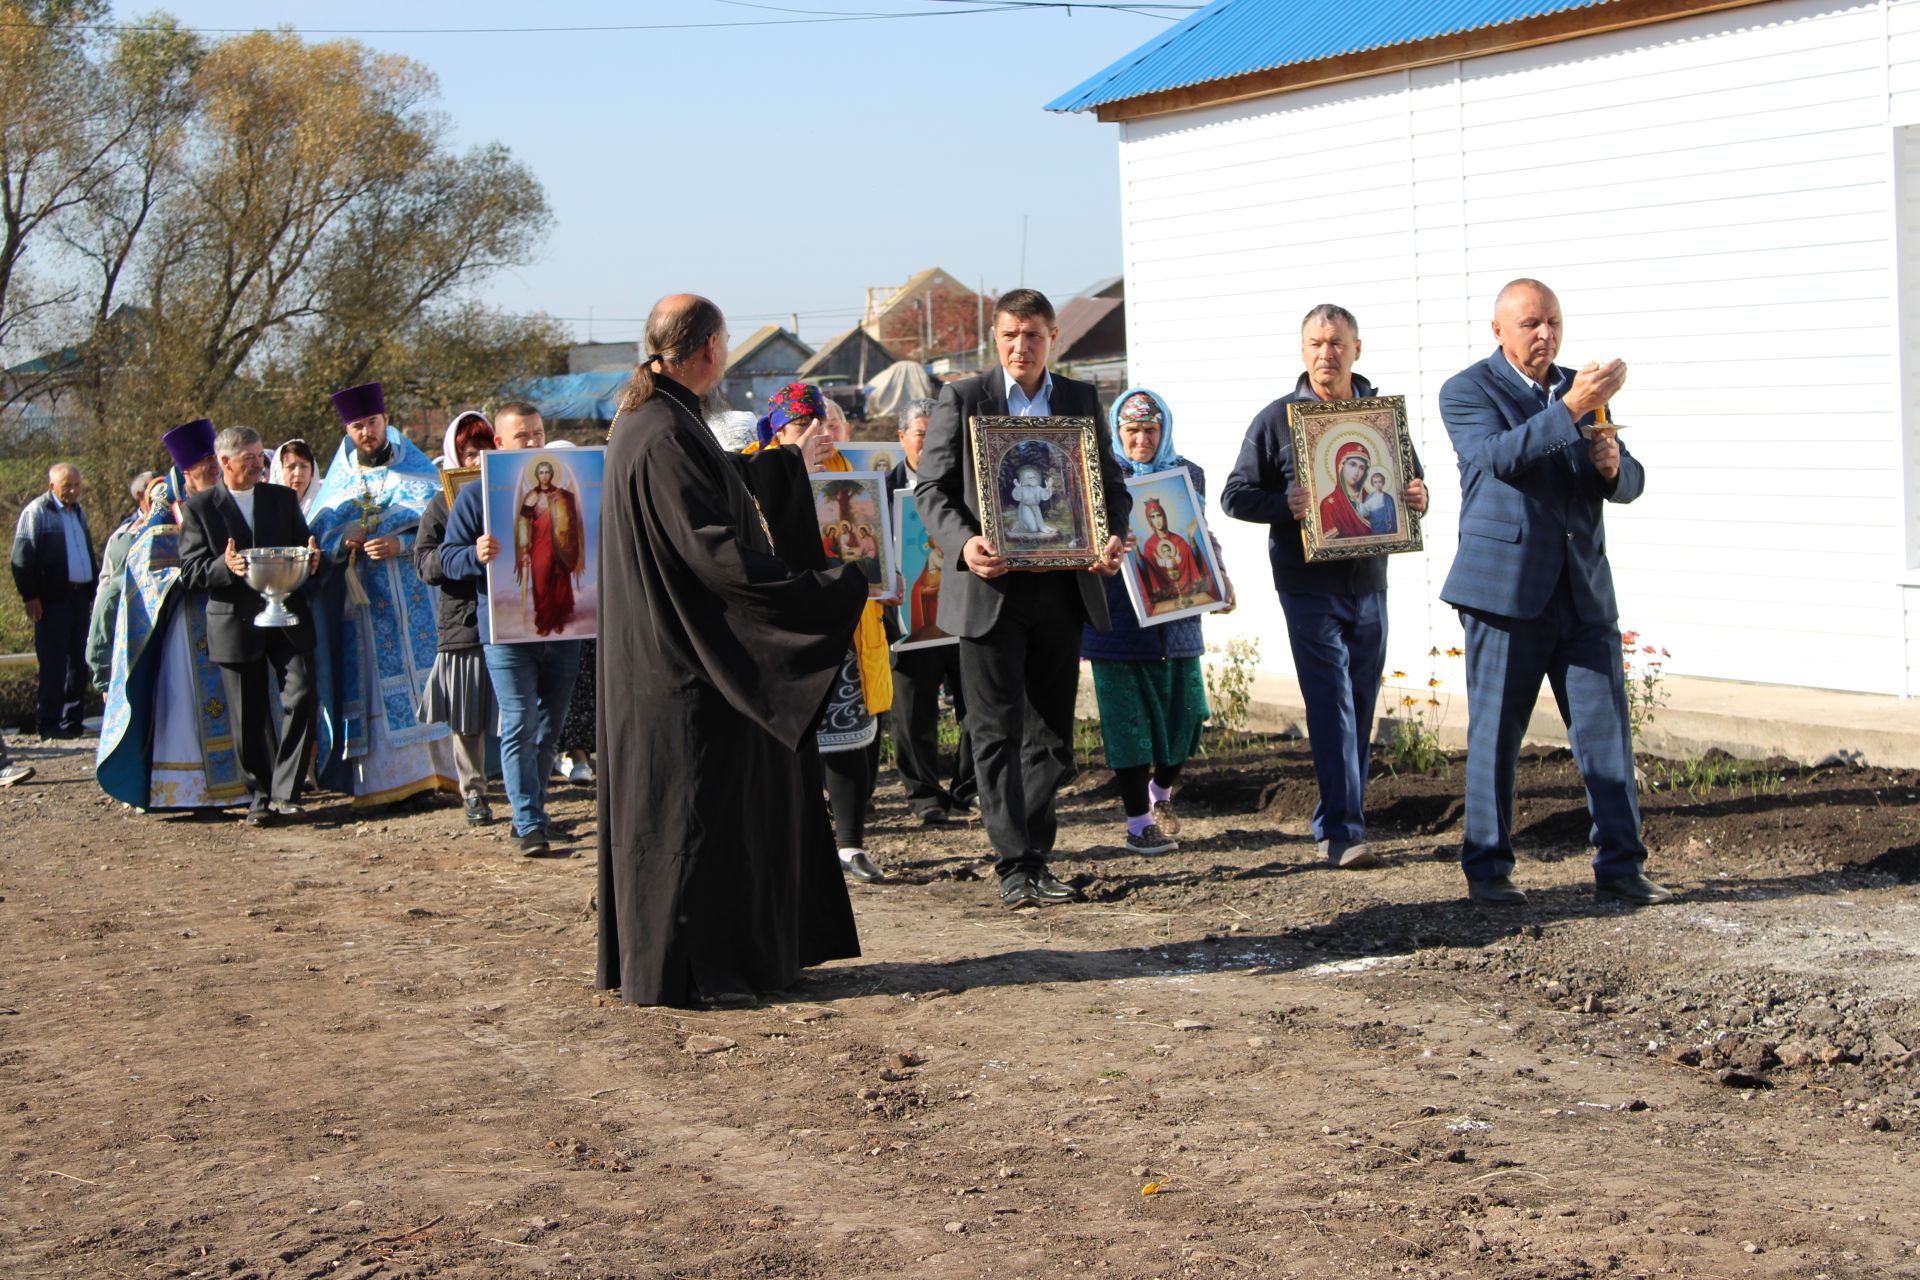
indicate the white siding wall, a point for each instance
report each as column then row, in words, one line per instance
column 1714, row 201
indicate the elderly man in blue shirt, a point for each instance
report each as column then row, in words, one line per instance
column 55, row 571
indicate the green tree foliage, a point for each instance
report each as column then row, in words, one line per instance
column 234, row 228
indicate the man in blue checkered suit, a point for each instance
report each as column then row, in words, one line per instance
column 1534, row 591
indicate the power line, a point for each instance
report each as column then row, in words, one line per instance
column 812, row 17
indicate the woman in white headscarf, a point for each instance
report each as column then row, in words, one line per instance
column 294, row 467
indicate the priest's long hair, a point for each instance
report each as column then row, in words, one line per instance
column 677, row 327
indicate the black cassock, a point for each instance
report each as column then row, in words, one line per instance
column 715, row 659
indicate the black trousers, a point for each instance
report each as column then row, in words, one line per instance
column 273, row 769
column 60, row 646
column 915, row 725
column 1022, row 678
column 850, row 778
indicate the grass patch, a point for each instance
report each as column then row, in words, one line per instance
column 1717, row 771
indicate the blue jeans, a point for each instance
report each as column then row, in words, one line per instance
column 533, row 684
column 1339, row 646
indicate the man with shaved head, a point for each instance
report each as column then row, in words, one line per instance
column 55, row 571
column 1534, row 591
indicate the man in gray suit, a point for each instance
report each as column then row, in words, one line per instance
column 1019, row 632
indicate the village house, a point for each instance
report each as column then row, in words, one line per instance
column 1725, row 194
column 854, row 356
column 931, row 314
column 767, row 360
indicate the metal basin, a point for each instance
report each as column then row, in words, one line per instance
column 276, row 573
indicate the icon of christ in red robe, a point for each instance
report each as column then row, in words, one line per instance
column 547, row 549
column 1340, row 510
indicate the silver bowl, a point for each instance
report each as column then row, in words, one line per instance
column 276, row 573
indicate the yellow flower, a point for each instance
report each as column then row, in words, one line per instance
column 1433, row 682
column 1151, row 1189
column 1408, row 700
column 1454, row 653
column 1399, row 675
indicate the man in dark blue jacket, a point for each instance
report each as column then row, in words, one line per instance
column 1534, row 590
column 532, row 681
column 1336, row 609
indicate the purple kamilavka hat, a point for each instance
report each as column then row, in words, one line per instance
column 190, row 443
column 359, row 402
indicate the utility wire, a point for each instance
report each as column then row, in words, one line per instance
column 812, row 17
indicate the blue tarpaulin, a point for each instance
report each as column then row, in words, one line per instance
column 593, row 396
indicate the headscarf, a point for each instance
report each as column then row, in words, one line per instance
column 169, row 488
column 733, row 428
column 460, row 433
column 277, row 473
column 1133, row 405
column 795, row 400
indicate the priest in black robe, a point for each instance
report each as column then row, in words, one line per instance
column 715, row 660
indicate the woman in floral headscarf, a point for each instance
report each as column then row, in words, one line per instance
column 1152, row 694
column 795, row 438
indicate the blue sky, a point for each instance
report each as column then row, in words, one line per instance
column 775, row 168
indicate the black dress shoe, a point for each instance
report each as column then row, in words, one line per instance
column 932, row 815
column 1635, row 889
column 1497, row 891
column 860, row 867
column 259, row 817
column 1051, row 890
column 725, row 1000
column 1017, row 890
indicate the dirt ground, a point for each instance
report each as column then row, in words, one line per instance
column 350, row 1048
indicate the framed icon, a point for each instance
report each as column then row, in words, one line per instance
column 1042, row 503
column 1173, row 571
column 1354, row 458
column 870, row 455
column 921, row 565
column 851, row 507
column 544, row 507
column 454, row 479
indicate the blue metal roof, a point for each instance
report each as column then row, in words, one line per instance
column 1239, row 37
column 593, row 397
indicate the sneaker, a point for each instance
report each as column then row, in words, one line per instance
column 15, row 773
column 581, row 773
column 1152, row 840
column 1165, row 818
column 1349, row 855
column 563, row 767
column 478, row 814
column 534, row 844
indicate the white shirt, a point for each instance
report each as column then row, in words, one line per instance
column 1551, row 393
column 1021, row 405
column 243, row 499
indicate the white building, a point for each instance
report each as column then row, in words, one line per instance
column 1724, row 193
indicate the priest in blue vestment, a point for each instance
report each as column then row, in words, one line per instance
column 166, row 741
column 374, row 624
